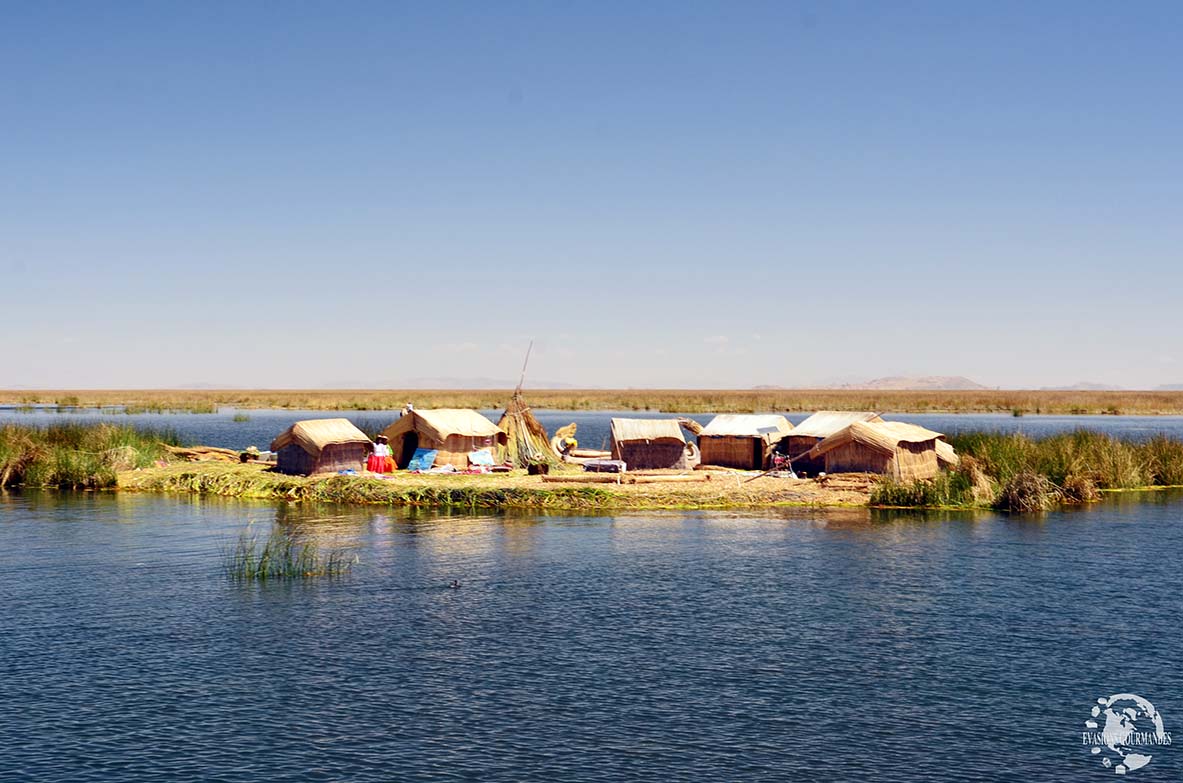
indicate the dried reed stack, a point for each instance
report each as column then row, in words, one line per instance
column 527, row 441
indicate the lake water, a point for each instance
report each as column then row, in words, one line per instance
column 802, row 645
column 261, row 426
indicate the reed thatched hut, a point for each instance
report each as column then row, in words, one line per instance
column 892, row 448
column 646, row 444
column 745, row 441
column 526, row 441
column 321, row 446
column 813, row 431
column 453, row 433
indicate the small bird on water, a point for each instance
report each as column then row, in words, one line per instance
column 454, row 584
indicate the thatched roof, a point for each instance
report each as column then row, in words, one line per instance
column 882, row 436
column 439, row 423
column 823, row 424
column 748, row 425
column 646, row 429
column 946, row 455
column 314, row 434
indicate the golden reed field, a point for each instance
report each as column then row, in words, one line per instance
column 673, row 400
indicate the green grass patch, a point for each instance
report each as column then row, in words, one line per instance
column 948, row 490
column 232, row 480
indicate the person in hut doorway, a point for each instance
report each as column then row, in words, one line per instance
column 380, row 461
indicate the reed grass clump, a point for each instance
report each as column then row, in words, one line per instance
column 947, row 489
column 1164, row 461
column 1018, row 473
column 1079, row 489
column 76, row 455
column 1027, row 492
column 194, row 406
column 1107, row 461
column 283, row 555
column 964, row 486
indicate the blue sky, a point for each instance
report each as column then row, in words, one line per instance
column 661, row 194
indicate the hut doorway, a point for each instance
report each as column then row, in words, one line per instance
column 410, row 443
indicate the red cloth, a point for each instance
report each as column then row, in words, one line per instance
column 376, row 464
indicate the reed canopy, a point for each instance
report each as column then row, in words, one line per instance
column 740, row 440
column 454, row 433
column 320, row 446
column 892, row 448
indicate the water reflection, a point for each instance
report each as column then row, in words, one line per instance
column 641, row 646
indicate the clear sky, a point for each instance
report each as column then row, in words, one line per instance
column 662, row 194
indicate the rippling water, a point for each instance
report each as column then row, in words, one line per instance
column 808, row 645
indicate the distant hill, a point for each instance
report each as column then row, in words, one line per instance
column 203, row 386
column 1171, row 387
column 892, row 383
column 483, row 383
column 919, row 383
column 1084, row 386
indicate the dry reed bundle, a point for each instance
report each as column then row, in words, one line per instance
column 527, row 442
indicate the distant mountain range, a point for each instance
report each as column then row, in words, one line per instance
column 484, row 383
column 461, row 384
column 1089, row 386
column 1084, row 386
column 956, row 383
column 918, row 383
column 896, row 383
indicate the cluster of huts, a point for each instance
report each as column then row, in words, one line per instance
column 827, row 441
column 334, row 445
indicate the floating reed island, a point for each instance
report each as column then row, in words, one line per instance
column 865, row 462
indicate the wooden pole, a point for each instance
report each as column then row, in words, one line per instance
column 522, row 379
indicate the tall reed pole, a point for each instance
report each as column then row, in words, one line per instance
column 522, row 379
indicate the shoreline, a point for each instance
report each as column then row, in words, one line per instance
column 686, row 401
column 499, row 491
column 518, row 491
